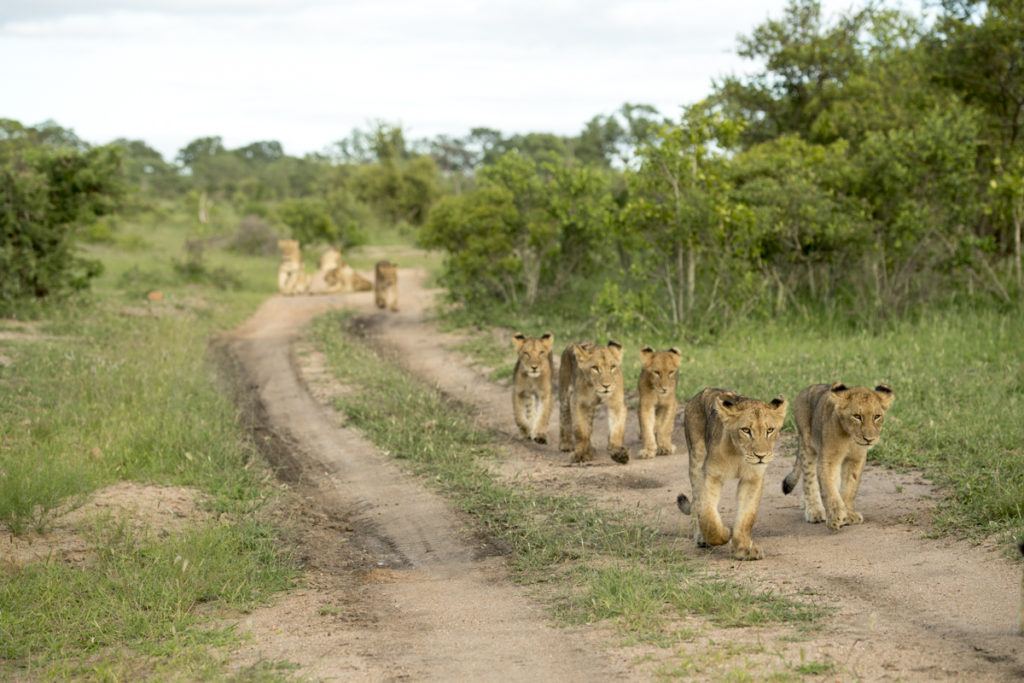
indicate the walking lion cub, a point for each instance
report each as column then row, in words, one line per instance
column 657, row 390
column 532, row 385
column 588, row 376
column 836, row 425
column 729, row 437
column 385, row 285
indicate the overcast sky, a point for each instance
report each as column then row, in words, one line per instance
column 305, row 72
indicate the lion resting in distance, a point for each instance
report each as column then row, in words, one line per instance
column 657, row 390
column 336, row 276
column 385, row 285
column 729, row 437
column 291, row 278
column 532, row 385
column 588, row 376
column 836, row 425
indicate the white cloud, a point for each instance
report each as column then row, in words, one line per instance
column 307, row 73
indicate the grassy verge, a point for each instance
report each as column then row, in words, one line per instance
column 605, row 566
column 958, row 377
column 112, row 387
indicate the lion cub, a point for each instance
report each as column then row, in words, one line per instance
column 385, row 285
column 729, row 437
column 590, row 375
column 836, row 425
column 531, row 385
column 291, row 278
column 657, row 389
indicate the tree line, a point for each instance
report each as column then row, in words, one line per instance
column 874, row 164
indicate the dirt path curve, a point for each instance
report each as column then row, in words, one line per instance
column 446, row 613
column 907, row 607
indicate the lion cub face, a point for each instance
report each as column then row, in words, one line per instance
column 861, row 411
column 330, row 259
column 752, row 426
column 601, row 366
column 660, row 369
column 533, row 353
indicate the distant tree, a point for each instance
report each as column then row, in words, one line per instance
column 264, row 151
column 200, row 149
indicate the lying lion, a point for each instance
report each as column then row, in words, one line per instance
column 291, row 278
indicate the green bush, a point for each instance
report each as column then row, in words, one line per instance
column 46, row 192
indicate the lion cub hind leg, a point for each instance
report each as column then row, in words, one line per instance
column 814, row 509
column 829, row 474
column 519, row 411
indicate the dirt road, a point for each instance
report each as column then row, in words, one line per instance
column 430, row 603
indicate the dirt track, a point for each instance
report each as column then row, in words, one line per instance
column 905, row 607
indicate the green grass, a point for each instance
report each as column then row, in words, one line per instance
column 120, row 389
column 958, row 378
column 606, row 566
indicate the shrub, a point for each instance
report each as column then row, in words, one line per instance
column 254, row 237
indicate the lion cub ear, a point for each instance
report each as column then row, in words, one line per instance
column 547, row 340
column 616, row 348
column 839, row 388
column 646, row 354
column 885, row 395
column 726, row 406
column 582, row 352
column 779, row 404
column 678, row 355
column 518, row 340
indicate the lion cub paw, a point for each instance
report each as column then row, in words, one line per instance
column 619, row 455
column 565, row 447
column 667, row 450
column 814, row 515
column 583, row 456
column 645, row 454
column 854, row 517
column 837, row 521
column 750, row 552
column 540, row 438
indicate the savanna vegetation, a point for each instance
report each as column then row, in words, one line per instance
column 854, row 210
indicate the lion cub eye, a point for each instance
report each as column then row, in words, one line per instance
column 771, row 430
column 658, row 373
column 858, row 418
column 594, row 370
column 746, row 430
column 671, row 373
column 877, row 418
column 614, row 368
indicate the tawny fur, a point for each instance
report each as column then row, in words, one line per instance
column 291, row 277
column 532, row 385
column 836, row 426
column 324, row 280
column 657, row 391
column 385, row 285
column 729, row 437
column 588, row 376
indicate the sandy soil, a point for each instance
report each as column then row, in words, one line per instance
column 905, row 606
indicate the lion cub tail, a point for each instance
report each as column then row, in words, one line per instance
column 684, row 503
column 789, row 483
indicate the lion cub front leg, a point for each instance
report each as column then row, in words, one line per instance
column 711, row 527
column 665, row 419
column 748, row 498
column 582, row 425
column 520, row 410
column 542, row 415
column 829, row 473
column 617, row 430
column 647, row 415
column 852, row 468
